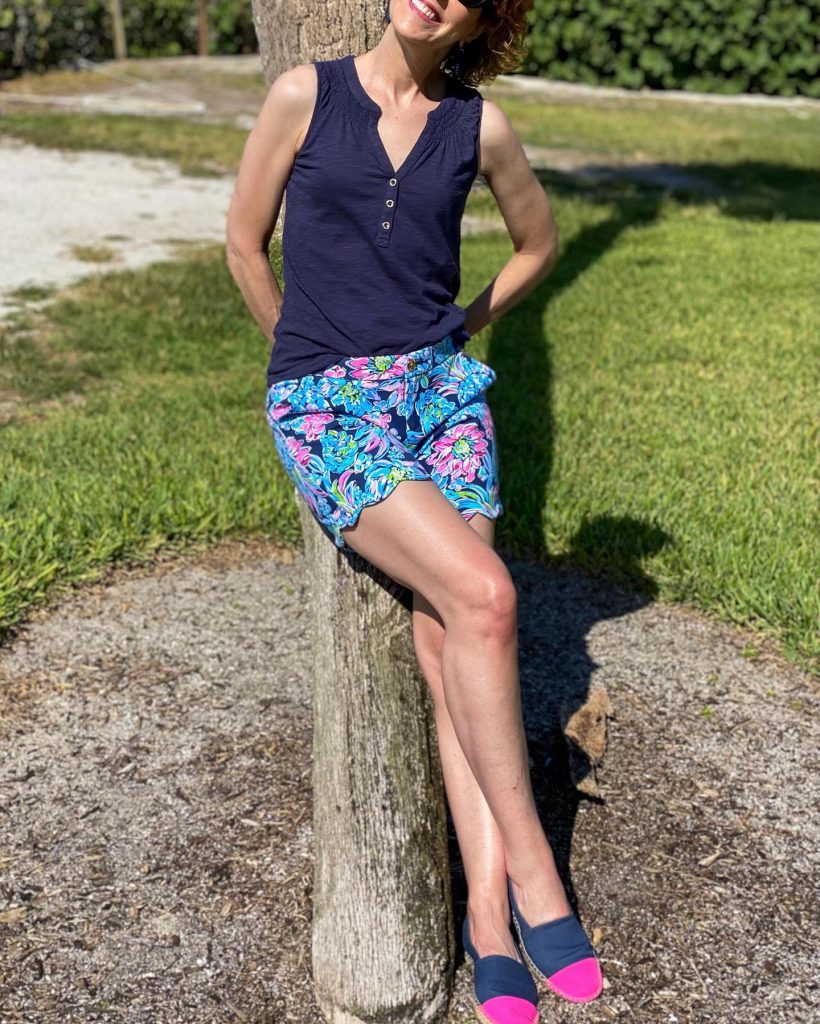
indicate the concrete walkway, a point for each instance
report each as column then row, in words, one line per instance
column 66, row 214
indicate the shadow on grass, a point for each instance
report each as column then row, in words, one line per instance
column 609, row 550
column 750, row 190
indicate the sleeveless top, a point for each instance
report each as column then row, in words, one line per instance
column 371, row 253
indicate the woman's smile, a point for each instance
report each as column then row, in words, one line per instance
column 429, row 14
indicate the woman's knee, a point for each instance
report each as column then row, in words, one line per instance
column 488, row 602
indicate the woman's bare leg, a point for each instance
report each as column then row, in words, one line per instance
column 479, row 839
column 470, row 661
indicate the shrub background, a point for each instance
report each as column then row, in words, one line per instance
column 40, row 34
column 730, row 46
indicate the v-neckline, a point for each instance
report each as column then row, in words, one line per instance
column 376, row 111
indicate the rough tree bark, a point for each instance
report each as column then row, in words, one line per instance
column 383, row 941
column 294, row 31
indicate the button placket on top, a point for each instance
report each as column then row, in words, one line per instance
column 390, row 203
column 393, row 175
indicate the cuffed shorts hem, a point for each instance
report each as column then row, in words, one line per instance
column 348, row 435
column 466, row 507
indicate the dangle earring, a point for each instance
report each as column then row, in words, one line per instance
column 387, row 11
column 460, row 60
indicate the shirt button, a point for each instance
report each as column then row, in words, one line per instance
column 385, row 223
column 411, row 364
column 392, row 181
column 389, row 202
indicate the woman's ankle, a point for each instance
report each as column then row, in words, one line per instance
column 489, row 931
column 488, row 908
column 541, row 897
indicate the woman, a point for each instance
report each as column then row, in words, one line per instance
column 369, row 386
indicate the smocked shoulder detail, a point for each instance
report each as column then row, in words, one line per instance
column 462, row 115
column 321, row 74
column 342, row 96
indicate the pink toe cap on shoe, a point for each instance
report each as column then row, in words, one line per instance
column 579, row 982
column 509, row 1010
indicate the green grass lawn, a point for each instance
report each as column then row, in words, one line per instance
column 721, row 136
column 655, row 405
column 198, row 149
column 663, row 384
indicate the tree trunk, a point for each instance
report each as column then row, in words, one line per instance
column 383, row 942
column 118, row 30
column 297, row 31
column 383, row 939
column 202, row 34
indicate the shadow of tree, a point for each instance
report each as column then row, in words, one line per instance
column 562, row 598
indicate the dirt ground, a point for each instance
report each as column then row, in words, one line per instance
column 155, row 784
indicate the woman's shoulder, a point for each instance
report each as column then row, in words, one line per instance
column 298, row 84
column 290, row 103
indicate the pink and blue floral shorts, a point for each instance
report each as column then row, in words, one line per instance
column 348, row 434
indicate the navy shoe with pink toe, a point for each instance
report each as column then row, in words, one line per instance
column 503, row 989
column 560, row 954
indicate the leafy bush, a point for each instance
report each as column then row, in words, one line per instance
column 39, row 34
column 729, row 46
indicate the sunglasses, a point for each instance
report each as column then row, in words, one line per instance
column 487, row 5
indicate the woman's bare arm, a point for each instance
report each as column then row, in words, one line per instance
column 267, row 160
column 526, row 211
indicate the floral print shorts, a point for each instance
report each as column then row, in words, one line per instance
column 348, row 434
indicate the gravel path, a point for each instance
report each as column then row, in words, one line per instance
column 155, row 781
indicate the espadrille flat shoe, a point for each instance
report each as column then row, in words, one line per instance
column 560, row 955
column 503, row 989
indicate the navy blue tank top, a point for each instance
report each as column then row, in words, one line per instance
column 371, row 253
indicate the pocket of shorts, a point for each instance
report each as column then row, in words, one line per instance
column 297, row 397
column 271, row 400
column 485, row 373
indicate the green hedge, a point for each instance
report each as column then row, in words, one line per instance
column 728, row 46
column 731, row 46
column 40, row 34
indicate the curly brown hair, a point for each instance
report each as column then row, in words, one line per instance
column 499, row 49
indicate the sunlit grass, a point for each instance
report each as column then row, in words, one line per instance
column 654, row 408
column 655, row 399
